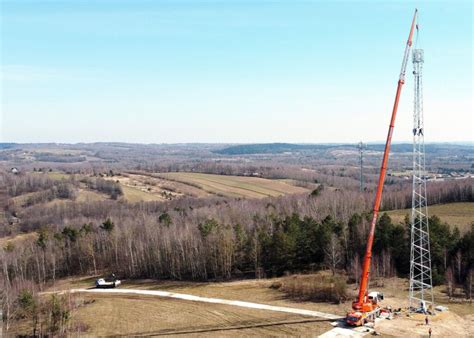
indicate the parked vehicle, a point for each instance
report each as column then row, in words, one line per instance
column 111, row 283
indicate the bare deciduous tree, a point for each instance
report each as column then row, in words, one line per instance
column 333, row 253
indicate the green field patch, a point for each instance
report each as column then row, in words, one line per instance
column 455, row 214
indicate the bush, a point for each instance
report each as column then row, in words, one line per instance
column 317, row 191
column 315, row 287
column 27, row 308
column 108, row 225
column 59, row 313
column 165, row 219
column 64, row 191
column 206, row 228
column 27, row 304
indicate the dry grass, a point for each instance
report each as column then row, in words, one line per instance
column 257, row 291
column 17, row 239
column 133, row 195
column 133, row 315
column 455, row 214
column 138, row 188
column 147, row 315
column 22, row 199
column 55, row 175
column 164, row 186
column 84, row 195
column 236, row 186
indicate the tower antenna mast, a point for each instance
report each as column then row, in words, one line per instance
column 421, row 285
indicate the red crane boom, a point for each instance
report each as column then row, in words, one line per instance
column 358, row 305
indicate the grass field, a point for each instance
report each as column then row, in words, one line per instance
column 84, row 195
column 55, row 175
column 133, row 195
column 455, row 214
column 108, row 314
column 167, row 186
column 17, row 239
column 147, row 315
column 133, row 315
column 235, row 186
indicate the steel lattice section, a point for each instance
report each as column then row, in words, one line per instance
column 421, row 286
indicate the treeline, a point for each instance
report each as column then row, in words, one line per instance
column 40, row 188
column 397, row 191
column 37, row 189
column 65, row 158
column 160, row 247
column 340, row 204
column 21, row 184
column 111, row 188
column 61, row 190
column 346, row 178
column 216, row 239
column 192, row 211
column 437, row 192
column 46, row 316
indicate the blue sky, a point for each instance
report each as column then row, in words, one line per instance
column 229, row 71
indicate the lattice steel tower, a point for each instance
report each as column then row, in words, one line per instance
column 421, row 286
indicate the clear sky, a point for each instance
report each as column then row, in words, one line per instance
column 229, row 71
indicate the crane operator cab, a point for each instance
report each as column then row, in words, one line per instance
column 374, row 297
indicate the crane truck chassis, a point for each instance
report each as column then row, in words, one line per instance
column 365, row 307
column 359, row 318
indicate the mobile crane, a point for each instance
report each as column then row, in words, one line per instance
column 366, row 304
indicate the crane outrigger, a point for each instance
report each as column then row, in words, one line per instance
column 366, row 304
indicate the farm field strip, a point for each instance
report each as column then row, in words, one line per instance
column 236, row 186
column 245, row 186
column 193, row 298
column 170, row 185
column 216, row 187
column 146, row 187
column 459, row 214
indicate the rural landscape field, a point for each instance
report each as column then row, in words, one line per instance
column 243, row 227
column 239, row 168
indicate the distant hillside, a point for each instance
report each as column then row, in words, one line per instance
column 6, row 145
column 279, row 148
column 269, row 148
column 429, row 147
